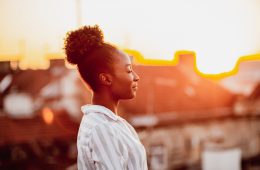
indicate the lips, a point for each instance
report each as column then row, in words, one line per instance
column 135, row 87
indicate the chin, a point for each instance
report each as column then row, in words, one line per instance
column 131, row 96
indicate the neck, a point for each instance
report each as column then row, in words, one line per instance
column 106, row 101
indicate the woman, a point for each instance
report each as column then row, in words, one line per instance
column 105, row 140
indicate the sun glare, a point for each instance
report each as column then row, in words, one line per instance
column 219, row 32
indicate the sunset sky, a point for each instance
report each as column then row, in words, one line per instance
column 219, row 31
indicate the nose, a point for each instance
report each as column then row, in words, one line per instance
column 136, row 77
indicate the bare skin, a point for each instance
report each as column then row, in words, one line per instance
column 121, row 84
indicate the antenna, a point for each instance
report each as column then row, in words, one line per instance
column 78, row 12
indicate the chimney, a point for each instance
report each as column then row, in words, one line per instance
column 187, row 61
column 57, row 63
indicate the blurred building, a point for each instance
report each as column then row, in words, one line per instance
column 245, row 80
column 178, row 91
column 179, row 116
column 39, row 117
column 6, row 72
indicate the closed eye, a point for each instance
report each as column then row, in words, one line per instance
column 129, row 68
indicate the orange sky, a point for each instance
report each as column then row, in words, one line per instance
column 219, row 32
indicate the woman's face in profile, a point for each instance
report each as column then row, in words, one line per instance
column 124, row 79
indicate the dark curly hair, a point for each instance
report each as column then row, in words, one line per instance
column 85, row 47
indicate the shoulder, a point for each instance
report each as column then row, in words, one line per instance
column 92, row 119
column 104, row 129
column 96, row 122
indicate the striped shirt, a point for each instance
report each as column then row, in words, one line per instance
column 107, row 142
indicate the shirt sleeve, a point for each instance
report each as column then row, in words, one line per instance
column 108, row 151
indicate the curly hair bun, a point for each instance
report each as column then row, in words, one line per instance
column 79, row 43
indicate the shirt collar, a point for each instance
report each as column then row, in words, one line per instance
column 99, row 109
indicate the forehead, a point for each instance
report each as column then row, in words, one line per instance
column 121, row 58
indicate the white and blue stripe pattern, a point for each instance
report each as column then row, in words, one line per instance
column 107, row 142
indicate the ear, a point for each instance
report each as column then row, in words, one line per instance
column 105, row 79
